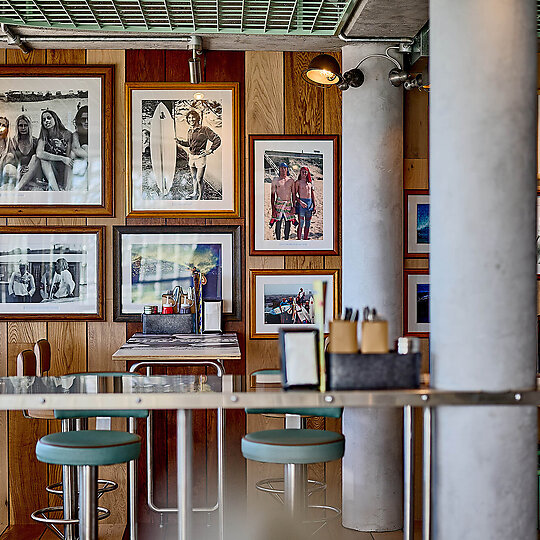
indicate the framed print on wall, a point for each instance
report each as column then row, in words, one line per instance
column 57, row 275
column 416, row 222
column 538, row 235
column 284, row 298
column 416, row 302
column 183, row 148
column 294, row 194
column 149, row 261
column 56, row 140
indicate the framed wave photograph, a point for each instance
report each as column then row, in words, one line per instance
column 294, row 194
column 149, row 261
column 284, row 299
column 416, row 222
column 56, row 140
column 183, row 149
column 416, row 302
column 57, row 275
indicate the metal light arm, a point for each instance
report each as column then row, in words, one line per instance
column 385, row 55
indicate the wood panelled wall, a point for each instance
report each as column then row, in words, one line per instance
column 274, row 99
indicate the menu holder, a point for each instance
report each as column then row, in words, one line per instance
column 373, row 371
column 174, row 323
column 299, row 350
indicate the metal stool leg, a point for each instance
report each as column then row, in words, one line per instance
column 132, row 467
column 69, row 490
column 295, row 490
column 88, row 517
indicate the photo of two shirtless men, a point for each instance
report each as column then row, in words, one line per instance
column 293, row 195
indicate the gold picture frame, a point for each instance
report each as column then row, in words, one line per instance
column 183, row 150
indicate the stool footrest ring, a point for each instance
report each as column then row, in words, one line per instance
column 104, row 486
column 267, row 485
column 41, row 515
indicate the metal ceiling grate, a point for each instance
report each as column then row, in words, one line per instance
column 298, row 17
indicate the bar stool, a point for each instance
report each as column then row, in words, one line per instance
column 87, row 450
column 295, row 449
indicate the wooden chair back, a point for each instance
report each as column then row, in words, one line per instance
column 42, row 350
column 26, row 364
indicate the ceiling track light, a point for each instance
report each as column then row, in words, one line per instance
column 324, row 71
column 195, row 70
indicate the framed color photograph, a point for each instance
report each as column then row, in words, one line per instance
column 55, row 275
column 148, row 261
column 182, row 149
column 416, row 296
column 416, row 222
column 294, row 194
column 56, row 140
column 284, row 298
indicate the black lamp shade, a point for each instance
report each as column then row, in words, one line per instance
column 324, row 69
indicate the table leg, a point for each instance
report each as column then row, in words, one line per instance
column 184, row 465
column 408, row 472
column 221, row 472
column 426, row 511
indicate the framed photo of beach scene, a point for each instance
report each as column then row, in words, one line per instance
column 294, row 194
column 52, row 275
column 284, row 299
column 149, row 261
column 416, row 222
column 416, row 302
column 183, row 148
column 56, row 140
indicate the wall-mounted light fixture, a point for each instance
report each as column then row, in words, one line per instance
column 195, row 71
column 324, row 71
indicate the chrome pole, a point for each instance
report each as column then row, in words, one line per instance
column 221, row 471
column 69, row 490
column 184, row 464
column 408, row 473
column 426, row 510
column 295, row 490
column 88, row 518
column 132, row 467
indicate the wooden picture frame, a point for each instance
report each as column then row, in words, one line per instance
column 416, row 223
column 183, row 149
column 320, row 155
column 416, row 302
column 268, row 286
column 58, row 158
column 538, row 235
column 55, row 274
column 213, row 249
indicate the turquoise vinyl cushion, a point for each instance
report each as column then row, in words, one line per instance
column 120, row 413
column 88, row 448
column 293, row 446
column 328, row 412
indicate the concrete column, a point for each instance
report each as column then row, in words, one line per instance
column 483, row 284
column 372, row 176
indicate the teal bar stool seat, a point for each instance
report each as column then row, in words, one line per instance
column 86, row 450
column 295, row 449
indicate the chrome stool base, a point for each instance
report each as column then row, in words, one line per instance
column 104, row 486
column 324, row 520
column 267, row 486
column 42, row 514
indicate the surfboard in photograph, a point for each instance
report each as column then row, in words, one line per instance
column 163, row 148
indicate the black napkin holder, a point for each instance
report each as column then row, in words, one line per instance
column 372, row 371
column 173, row 323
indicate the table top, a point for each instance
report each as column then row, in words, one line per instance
column 211, row 392
column 179, row 347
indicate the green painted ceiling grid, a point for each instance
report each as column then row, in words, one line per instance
column 288, row 17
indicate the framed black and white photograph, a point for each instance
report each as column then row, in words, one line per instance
column 183, row 147
column 56, row 140
column 285, row 298
column 149, row 261
column 294, row 194
column 55, row 275
column 416, row 222
column 416, row 302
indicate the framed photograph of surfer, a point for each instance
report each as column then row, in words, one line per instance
column 183, row 149
column 294, row 194
column 56, row 140
column 416, row 302
column 416, row 222
column 284, row 299
column 55, row 274
column 148, row 261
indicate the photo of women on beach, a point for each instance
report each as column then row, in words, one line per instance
column 183, row 149
column 52, row 142
column 293, row 193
